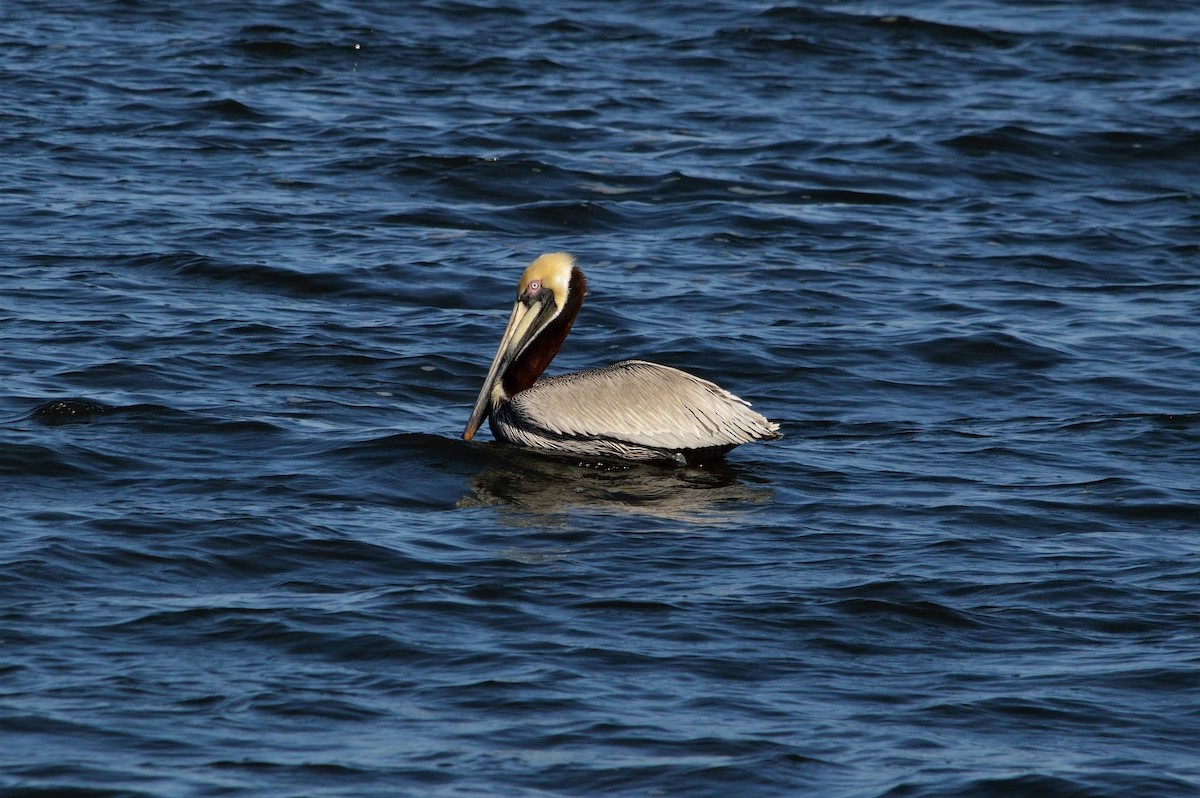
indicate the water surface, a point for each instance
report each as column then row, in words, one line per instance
column 257, row 256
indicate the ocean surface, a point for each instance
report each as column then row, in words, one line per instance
column 255, row 259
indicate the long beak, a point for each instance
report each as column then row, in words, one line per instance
column 522, row 327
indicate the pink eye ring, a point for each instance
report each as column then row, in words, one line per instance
column 534, row 286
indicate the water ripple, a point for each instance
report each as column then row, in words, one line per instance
column 259, row 261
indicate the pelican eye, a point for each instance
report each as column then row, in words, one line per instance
column 532, row 292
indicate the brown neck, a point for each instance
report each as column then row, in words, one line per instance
column 525, row 370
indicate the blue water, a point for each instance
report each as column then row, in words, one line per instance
column 255, row 258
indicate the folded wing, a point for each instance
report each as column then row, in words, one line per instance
column 641, row 403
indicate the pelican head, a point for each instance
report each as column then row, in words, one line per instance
column 548, row 299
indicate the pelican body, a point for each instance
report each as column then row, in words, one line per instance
column 633, row 410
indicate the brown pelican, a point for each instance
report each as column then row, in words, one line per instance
column 632, row 409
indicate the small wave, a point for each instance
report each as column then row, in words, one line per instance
column 987, row 350
column 24, row 459
column 275, row 279
column 1008, row 139
column 232, row 110
column 67, row 411
column 853, row 26
column 1028, row 785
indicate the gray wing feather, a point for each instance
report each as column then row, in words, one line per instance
column 642, row 403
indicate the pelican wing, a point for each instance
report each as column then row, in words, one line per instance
column 641, row 403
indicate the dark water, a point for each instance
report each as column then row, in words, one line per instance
column 269, row 247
